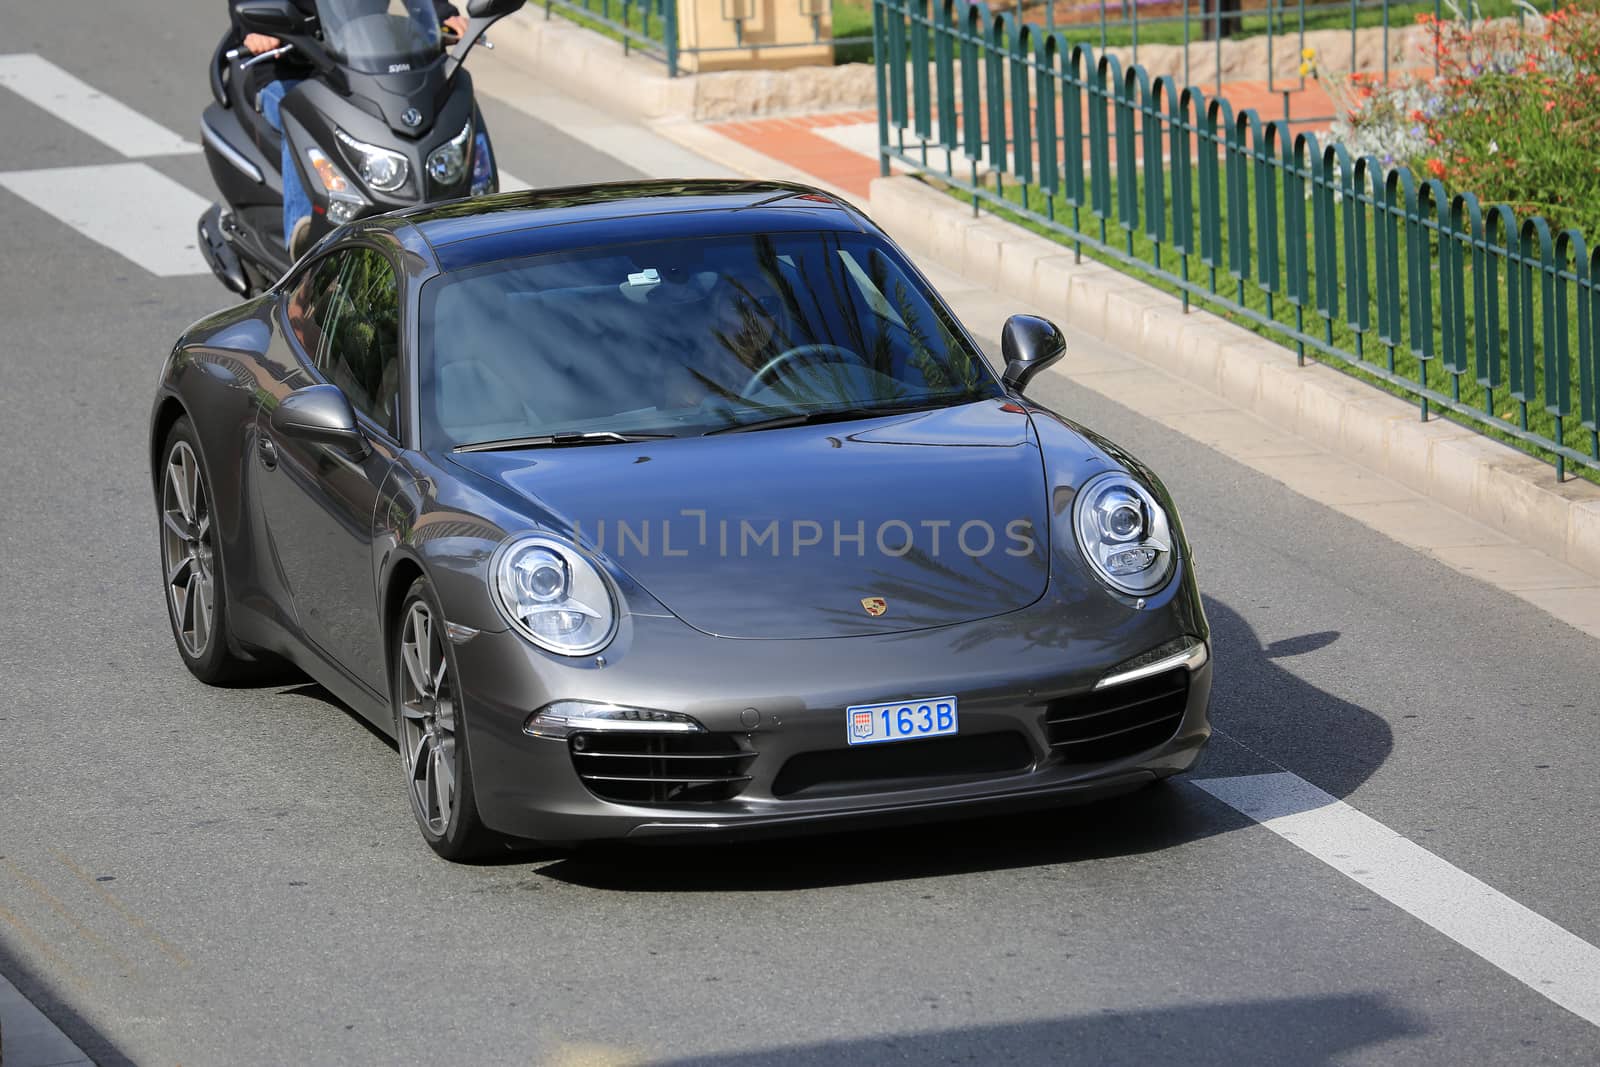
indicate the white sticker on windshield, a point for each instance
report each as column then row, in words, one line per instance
column 648, row 276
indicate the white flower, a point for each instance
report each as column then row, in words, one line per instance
column 1493, row 148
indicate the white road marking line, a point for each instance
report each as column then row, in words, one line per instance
column 130, row 208
column 79, row 104
column 1527, row 946
column 510, row 183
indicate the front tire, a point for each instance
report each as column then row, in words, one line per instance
column 191, row 564
column 431, row 732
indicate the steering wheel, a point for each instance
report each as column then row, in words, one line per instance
column 780, row 364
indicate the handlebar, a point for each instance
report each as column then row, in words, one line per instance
column 451, row 39
column 238, row 53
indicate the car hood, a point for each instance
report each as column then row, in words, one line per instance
column 891, row 524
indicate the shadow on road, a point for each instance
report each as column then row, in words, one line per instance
column 1298, row 1030
column 1262, row 705
column 47, row 998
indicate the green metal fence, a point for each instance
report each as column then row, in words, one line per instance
column 1459, row 306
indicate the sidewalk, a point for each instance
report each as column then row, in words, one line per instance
column 840, row 148
column 29, row 1039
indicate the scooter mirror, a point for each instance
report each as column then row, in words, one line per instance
column 275, row 18
column 492, row 9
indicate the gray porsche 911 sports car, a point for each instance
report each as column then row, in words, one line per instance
column 666, row 509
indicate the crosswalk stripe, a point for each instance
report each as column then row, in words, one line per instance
column 79, row 104
column 131, row 208
column 1521, row 942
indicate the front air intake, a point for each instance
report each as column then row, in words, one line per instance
column 651, row 768
column 1119, row 721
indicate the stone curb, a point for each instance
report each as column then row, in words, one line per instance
column 594, row 67
column 1490, row 482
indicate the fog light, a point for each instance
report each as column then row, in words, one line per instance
column 566, row 717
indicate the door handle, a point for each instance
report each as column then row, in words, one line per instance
column 268, row 453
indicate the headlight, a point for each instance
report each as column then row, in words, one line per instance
column 448, row 163
column 1123, row 533
column 555, row 597
column 379, row 168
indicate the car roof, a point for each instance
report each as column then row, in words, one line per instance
column 466, row 233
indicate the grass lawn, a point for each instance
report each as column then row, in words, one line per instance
column 1121, row 30
column 852, row 18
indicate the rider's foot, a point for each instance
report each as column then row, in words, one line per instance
column 300, row 239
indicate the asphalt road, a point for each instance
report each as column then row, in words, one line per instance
column 225, row 876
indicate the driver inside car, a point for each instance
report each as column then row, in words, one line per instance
column 289, row 73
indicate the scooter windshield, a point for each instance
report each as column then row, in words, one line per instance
column 380, row 36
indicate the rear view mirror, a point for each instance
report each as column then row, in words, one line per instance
column 1029, row 344
column 320, row 413
column 275, row 18
column 492, row 9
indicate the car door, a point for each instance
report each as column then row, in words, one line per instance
column 343, row 323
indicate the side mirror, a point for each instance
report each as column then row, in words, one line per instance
column 1029, row 345
column 492, row 9
column 322, row 414
column 275, row 18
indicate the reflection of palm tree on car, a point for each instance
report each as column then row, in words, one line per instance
column 882, row 325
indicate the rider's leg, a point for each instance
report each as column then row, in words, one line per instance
column 296, row 202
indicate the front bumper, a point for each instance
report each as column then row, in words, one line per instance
column 783, row 699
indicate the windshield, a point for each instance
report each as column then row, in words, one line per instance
column 685, row 338
column 380, row 36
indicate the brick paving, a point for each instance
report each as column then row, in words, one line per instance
column 847, row 161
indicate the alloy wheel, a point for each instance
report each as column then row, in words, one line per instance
column 188, row 556
column 427, row 719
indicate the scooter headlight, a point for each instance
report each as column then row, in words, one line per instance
column 447, row 165
column 379, row 168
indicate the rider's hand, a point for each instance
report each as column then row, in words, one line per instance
column 256, row 43
column 456, row 24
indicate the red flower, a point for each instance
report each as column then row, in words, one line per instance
column 1417, row 116
column 1436, row 167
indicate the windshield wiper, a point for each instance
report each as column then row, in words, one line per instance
column 559, row 440
column 811, row 418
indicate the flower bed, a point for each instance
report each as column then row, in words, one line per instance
column 1513, row 115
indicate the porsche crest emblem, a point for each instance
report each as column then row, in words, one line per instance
column 874, row 605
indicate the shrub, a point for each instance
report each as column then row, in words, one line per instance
column 1513, row 114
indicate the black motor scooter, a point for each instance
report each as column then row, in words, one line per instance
column 385, row 119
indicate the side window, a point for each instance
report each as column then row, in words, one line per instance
column 310, row 301
column 360, row 351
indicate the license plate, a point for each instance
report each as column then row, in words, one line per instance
column 900, row 720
